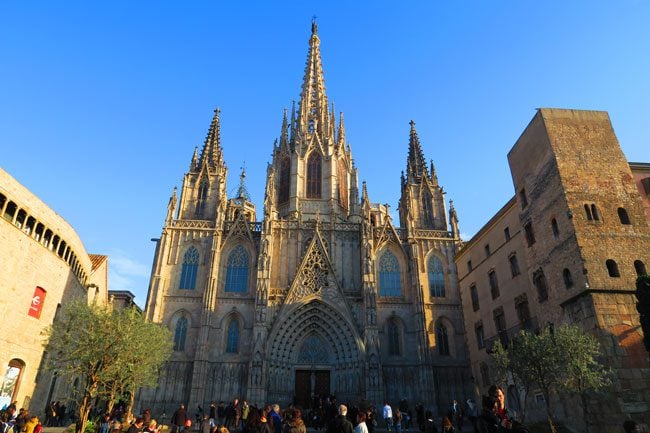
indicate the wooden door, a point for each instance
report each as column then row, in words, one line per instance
column 303, row 388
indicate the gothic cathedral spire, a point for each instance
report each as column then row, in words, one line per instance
column 313, row 117
column 422, row 204
column 212, row 154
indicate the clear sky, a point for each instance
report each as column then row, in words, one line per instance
column 102, row 103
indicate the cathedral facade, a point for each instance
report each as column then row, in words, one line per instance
column 326, row 295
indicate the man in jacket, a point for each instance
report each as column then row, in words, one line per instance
column 179, row 418
column 340, row 423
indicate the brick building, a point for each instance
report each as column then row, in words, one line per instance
column 567, row 248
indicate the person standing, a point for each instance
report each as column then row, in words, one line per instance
column 275, row 419
column 397, row 420
column 179, row 418
column 245, row 411
column 361, row 423
column 295, row 424
column 213, row 414
column 388, row 416
column 340, row 423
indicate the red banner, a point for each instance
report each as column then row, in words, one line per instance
column 37, row 302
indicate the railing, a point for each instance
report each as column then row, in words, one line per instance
column 193, row 224
column 507, row 335
column 254, row 227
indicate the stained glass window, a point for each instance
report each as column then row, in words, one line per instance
column 237, row 271
column 232, row 343
column 179, row 334
column 190, row 266
column 389, row 275
column 314, row 175
column 436, row 277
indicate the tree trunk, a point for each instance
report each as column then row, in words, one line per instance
column 585, row 410
column 110, row 404
column 549, row 415
column 129, row 409
column 84, row 409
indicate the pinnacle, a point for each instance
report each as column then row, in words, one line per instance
column 416, row 164
column 211, row 153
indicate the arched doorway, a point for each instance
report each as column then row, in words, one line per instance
column 11, row 382
column 314, row 350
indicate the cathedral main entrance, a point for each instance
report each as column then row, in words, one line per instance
column 310, row 383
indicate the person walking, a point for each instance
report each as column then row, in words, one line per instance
column 388, row 416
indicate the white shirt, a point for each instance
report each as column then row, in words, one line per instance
column 361, row 428
column 388, row 412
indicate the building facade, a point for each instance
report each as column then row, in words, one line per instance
column 567, row 248
column 44, row 264
column 326, row 294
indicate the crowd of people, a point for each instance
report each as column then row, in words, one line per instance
column 325, row 414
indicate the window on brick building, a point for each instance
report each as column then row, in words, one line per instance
column 486, row 248
column 539, row 280
column 494, row 284
column 480, row 336
column 588, row 213
column 623, row 216
column 500, row 324
column 595, row 213
column 639, row 267
column 523, row 312
column 645, row 182
column 485, row 374
column 469, row 266
column 612, row 268
column 568, row 279
column 523, row 198
column 514, row 265
column 506, row 233
column 530, row 234
column 474, row 295
column 555, row 228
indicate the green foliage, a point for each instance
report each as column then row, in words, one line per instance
column 564, row 359
column 113, row 351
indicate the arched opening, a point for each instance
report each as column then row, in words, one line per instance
column 623, row 216
column 190, row 268
column 427, row 209
column 436, row 277
column 237, row 271
column 612, row 268
column 180, row 334
column 202, row 197
column 389, row 275
column 555, row 228
column 11, row 382
column 285, row 176
column 393, row 333
column 568, row 279
column 343, row 184
column 314, row 174
column 232, row 339
column 442, row 339
column 20, row 218
column 639, row 267
column 10, row 211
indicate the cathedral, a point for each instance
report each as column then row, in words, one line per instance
column 327, row 294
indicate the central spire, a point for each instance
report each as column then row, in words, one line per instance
column 313, row 116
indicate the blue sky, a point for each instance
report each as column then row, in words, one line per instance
column 102, row 103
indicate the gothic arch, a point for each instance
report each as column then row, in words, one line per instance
column 314, row 175
column 398, row 254
column 314, row 317
column 450, row 332
column 177, row 315
column 228, row 249
column 428, row 261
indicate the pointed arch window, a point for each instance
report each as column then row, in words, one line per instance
column 180, row 334
column 436, row 277
column 237, row 270
column 427, row 209
column 442, row 340
column 285, row 176
column 314, row 175
column 343, row 184
column 639, row 267
column 389, row 275
column 202, row 197
column 393, row 338
column 232, row 340
column 190, row 267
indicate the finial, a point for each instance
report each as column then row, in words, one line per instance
column 412, row 123
column 314, row 26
